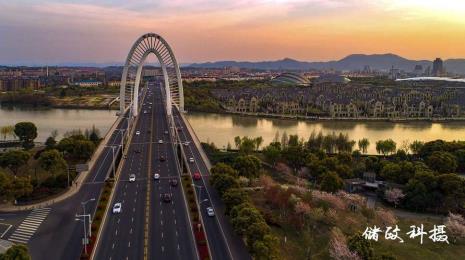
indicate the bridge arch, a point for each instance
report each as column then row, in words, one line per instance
column 130, row 80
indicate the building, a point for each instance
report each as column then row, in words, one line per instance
column 290, row 79
column 88, row 83
column 332, row 78
column 438, row 68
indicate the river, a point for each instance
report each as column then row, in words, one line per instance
column 222, row 128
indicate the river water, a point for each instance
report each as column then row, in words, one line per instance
column 221, row 128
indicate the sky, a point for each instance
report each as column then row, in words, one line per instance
column 100, row 31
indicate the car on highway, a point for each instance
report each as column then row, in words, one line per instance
column 117, row 208
column 145, row 111
column 186, row 143
column 196, row 176
column 191, row 160
column 174, row 182
column 160, row 141
column 137, row 151
column 166, row 197
column 210, row 212
column 156, row 176
column 162, row 158
column 166, row 132
column 137, row 132
column 132, row 178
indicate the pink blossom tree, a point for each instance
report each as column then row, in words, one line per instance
column 394, row 196
column 338, row 248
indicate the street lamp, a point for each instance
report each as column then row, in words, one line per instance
column 84, row 209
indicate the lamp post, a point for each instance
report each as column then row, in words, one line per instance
column 84, row 209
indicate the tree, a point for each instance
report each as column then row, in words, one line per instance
column 394, row 196
column 5, row 182
column 363, row 247
column 258, row 142
column 20, row 186
column 267, row 248
column 83, row 149
column 442, row 162
column 243, row 216
column 416, row 146
column 237, row 141
column 52, row 160
column 338, row 248
column 385, row 147
column 16, row 252
column 247, row 145
column 400, row 172
column 26, row 132
column 222, row 168
column 460, row 155
column 248, row 166
column 13, row 160
column 331, row 182
column 295, row 156
column 50, row 142
column 7, row 130
column 94, row 135
column 224, row 182
column 456, row 225
column 363, row 145
column 233, row 197
column 452, row 187
column 272, row 152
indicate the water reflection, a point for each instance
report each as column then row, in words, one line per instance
column 221, row 129
column 62, row 120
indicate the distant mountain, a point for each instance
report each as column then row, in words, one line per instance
column 352, row 62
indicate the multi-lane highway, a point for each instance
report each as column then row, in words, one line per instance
column 58, row 226
column 148, row 226
column 224, row 244
column 169, row 233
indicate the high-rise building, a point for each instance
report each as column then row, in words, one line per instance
column 418, row 71
column 438, row 67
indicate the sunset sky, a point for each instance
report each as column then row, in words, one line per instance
column 57, row 31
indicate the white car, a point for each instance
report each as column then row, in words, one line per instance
column 132, row 178
column 117, row 208
column 210, row 212
column 191, row 160
column 145, row 111
column 156, row 176
column 137, row 132
column 166, row 132
column 160, row 141
column 186, row 144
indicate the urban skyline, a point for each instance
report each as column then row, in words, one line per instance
column 60, row 31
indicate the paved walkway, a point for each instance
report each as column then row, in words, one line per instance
column 75, row 186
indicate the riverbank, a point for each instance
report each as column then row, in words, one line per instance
column 98, row 101
column 346, row 119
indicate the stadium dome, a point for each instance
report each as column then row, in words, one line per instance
column 291, row 79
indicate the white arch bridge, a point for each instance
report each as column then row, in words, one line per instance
column 131, row 78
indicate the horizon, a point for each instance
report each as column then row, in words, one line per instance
column 121, row 63
column 64, row 31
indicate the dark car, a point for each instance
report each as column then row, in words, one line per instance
column 174, row 182
column 166, row 197
column 162, row 159
column 137, row 151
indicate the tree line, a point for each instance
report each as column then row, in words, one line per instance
column 19, row 179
